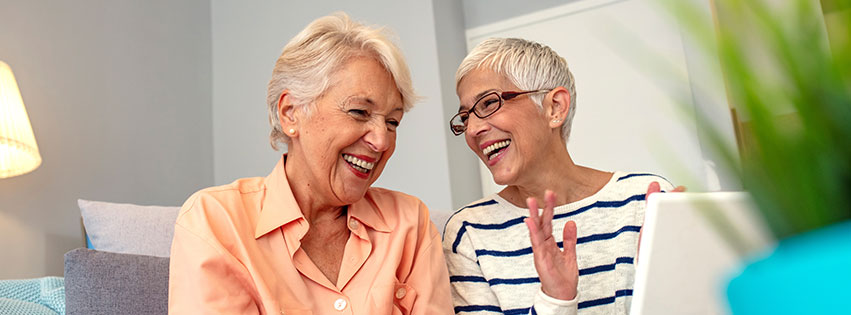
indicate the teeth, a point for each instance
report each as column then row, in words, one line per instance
column 366, row 166
column 496, row 146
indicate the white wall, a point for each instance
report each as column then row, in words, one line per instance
column 451, row 50
column 482, row 12
column 119, row 95
column 248, row 38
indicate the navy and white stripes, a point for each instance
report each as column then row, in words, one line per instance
column 490, row 259
column 582, row 272
column 531, row 310
column 519, row 220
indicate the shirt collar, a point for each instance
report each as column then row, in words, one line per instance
column 366, row 211
column 280, row 207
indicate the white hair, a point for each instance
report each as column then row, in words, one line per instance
column 308, row 62
column 528, row 65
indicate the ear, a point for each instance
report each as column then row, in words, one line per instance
column 286, row 114
column 558, row 107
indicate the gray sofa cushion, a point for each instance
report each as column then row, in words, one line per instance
column 111, row 283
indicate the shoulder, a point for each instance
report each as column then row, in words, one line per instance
column 383, row 196
column 220, row 201
column 637, row 182
column 398, row 209
column 395, row 205
column 476, row 212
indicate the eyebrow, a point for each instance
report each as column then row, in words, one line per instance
column 352, row 99
column 478, row 96
column 369, row 102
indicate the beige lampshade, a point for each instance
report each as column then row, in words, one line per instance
column 18, row 150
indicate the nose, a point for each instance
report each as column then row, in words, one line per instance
column 378, row 138
column 476, row 125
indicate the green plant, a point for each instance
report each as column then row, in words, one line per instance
column 791, row 84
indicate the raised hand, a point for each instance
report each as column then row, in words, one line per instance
column 556, row 268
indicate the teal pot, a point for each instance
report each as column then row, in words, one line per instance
column 805, row 274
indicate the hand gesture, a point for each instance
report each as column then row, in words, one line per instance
column 556, row 268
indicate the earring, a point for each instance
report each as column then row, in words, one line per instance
column 292, row 131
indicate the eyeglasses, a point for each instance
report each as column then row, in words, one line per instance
column 483, row 108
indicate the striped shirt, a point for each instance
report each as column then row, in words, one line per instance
column 490, row 261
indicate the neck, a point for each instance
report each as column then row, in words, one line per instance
column 308, row 195
column 557, row 172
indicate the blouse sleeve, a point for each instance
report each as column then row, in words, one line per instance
column 429, row 277
column 205, row 279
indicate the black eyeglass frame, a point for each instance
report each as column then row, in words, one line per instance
column 502, row 96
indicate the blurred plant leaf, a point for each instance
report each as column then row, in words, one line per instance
column 792, row 89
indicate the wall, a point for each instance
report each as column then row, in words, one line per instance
column 248, row 38
column 464, row 170
column 482, row 12
column 119, row 95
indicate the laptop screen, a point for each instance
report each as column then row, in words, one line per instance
column 692, row 244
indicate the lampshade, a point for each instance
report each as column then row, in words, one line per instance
column 18, row 150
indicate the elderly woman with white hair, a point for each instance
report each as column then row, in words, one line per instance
column 313, row 237
column 517, row 103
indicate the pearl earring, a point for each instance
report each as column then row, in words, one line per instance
column 292, row 131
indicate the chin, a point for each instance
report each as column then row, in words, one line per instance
column 502, row 179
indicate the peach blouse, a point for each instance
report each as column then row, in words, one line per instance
column 236, row 250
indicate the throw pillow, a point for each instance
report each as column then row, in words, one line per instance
column 128, row 228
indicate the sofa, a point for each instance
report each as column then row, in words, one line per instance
column 100, row 282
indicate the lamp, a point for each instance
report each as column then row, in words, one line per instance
column 18, row 150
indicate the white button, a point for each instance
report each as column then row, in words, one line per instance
column 353, row 224
column 339, row 304
column 400, row 293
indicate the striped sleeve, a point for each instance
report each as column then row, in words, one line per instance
column 470, row 291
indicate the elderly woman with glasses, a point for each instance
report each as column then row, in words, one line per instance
column 517, row 102
column 313, row 237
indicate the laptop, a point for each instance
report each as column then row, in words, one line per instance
column 685, row 263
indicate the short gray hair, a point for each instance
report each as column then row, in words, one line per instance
column 308, row 61
column 527, row 64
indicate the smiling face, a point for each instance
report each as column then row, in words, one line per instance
column 511, row 140
column 341, row 147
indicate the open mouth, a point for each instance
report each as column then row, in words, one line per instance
column 358, row 164
column 494, row 149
